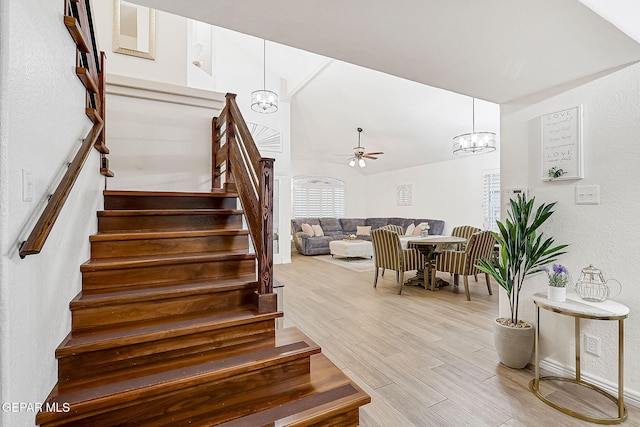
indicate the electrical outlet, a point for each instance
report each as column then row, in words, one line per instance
column 592, row 345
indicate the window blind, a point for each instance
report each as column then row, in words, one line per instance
column 491, row 202
column 318, row 197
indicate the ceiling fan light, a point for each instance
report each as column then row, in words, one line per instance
column 352, row 162
column 361, row 163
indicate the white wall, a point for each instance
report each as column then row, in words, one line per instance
column 451, row 191
column 43, row 121
column 157, row 145
column 171, row 47
column 605, row 235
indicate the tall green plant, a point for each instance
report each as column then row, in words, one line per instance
column 522, row 250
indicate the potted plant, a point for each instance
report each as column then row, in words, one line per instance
column 558, row 278
column 522, row 252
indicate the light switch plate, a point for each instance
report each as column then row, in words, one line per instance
column 587, row 194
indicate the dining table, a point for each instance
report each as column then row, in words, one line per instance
column 430, row 247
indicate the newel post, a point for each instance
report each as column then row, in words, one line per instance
column 229, row 182
column 215, row 147
column 266, row 298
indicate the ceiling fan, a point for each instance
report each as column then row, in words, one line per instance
column 359, row 155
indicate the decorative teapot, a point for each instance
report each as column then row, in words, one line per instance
column 592, row 287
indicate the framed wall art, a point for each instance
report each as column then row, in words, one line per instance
column 134, row 30
column 561, row 145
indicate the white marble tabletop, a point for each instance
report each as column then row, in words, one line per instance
column 574, row 305
column 435, row 239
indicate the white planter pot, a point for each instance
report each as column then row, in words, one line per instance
column 555, row 293
column 513, row 345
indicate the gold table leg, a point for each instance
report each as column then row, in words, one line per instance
column 534, row 384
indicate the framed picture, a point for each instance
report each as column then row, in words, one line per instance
column 134, row 30
column 561, row 148
column 404, row 195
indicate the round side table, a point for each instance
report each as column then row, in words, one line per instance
column 575, row 307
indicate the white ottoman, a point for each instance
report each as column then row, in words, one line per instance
column 351, row 248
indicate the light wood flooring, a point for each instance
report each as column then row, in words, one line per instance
column 425, row 358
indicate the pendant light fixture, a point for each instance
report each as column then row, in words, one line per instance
column 264, row 101
column 474, row 142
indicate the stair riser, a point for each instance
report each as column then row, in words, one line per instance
column 146, row 247
column 189, row 222
column 113, row 202
column 134, row 360
column 215, row 401
column 159, row 275
column 130, row 313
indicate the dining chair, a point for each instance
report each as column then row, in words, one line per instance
column 388, row 254
column 463, row 263
column 395, row 228
column 464, row 231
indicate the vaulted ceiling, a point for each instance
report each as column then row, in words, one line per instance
column 495, row 50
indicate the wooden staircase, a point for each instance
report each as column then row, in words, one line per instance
column 166, row 330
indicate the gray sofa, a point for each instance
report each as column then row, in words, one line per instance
column 340, row 228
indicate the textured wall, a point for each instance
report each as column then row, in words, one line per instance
column 43, row 121
column 451, row 191
column 606, row 235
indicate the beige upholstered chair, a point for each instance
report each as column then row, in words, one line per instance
column 464, row 231
column 395, row 228
column 480, row 245
column 388, row 254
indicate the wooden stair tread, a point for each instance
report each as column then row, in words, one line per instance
column 289, row 346
column 149, row 294
column 119, row 236
column 264, row 340
column 323, row 392
column 163, row 212
column 134, row 193
column 153, row 260
column 77, row 343
column 312, row 408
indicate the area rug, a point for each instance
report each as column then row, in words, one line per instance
column 360, row 265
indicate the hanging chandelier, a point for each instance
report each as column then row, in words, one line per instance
column 474, row 142
column 264, row 101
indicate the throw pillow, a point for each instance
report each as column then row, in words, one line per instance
column 307, row 229
column 410, row 229
column 363, row 231
column 418, row 230
column 317, row 230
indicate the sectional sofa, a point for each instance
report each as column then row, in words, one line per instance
column 340, row 228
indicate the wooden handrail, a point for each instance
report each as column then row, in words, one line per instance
column 41, row 230
column 90, row 70
column 235, row 157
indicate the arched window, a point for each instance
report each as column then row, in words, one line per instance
column 318, row 196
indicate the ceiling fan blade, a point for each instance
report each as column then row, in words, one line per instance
column 370, row 157
column 374, row 153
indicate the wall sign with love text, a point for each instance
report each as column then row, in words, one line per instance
column 561, row 150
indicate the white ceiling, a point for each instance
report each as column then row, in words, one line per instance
column 496, row 50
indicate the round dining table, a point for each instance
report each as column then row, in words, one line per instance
column 430, row 247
